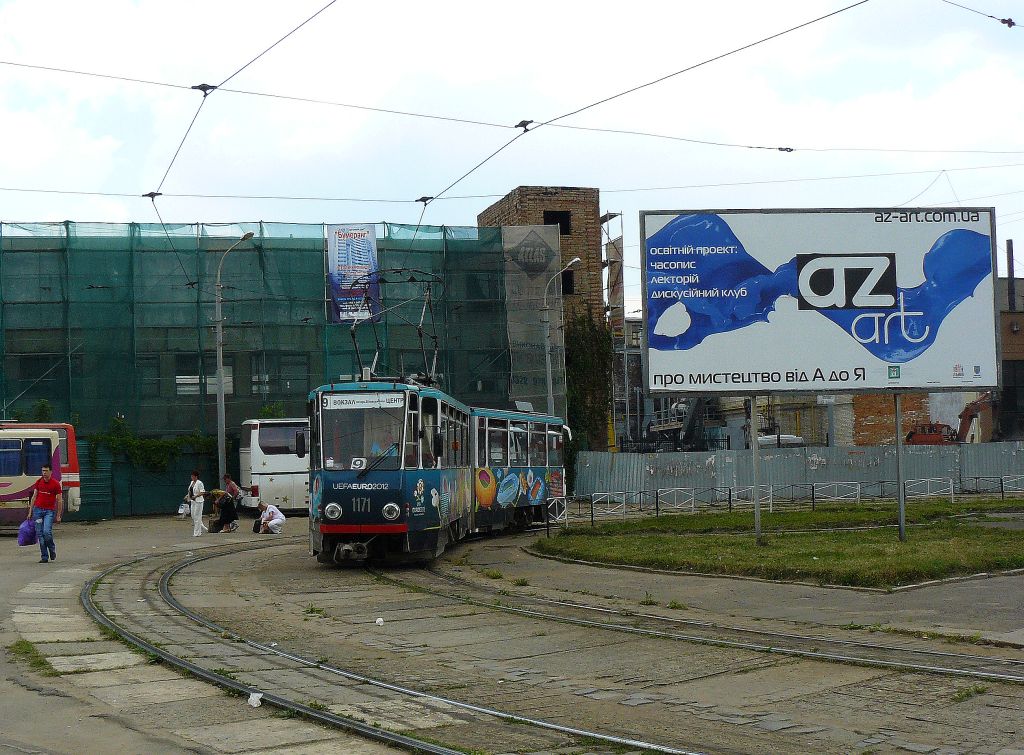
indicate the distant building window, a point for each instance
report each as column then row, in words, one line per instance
column 561, row 218
column 148, row 372
column 279, row 373
column 568, row 283
column 187, row 380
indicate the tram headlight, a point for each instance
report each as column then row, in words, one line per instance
column 332, row 511
column 391, row 511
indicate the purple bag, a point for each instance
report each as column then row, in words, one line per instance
column 27, row 533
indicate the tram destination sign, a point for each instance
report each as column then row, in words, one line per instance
column 819, row 301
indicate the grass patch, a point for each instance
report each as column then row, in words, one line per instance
column 317, row 705
column 521, row 582
column 492, row 574
column 966, row 693
column 865, row 558
column 26, row 652
column 313, row 610
column 648, row 600
column 675, row 605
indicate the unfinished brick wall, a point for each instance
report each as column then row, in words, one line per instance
column 525, row 205
column 874, row 417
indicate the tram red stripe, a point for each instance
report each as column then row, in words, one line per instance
column 334, row 529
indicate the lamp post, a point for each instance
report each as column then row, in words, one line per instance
column 545, row 316
column 221, row 464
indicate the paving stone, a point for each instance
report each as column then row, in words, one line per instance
column 606, row 695
column 340, row 746
column 396, row 715
column 50, row 649
column 775, row 724
column 78, row 635
column 148, row 673
column 913, row 746
column 96, row 662
column 257, row 734
column 146, row 693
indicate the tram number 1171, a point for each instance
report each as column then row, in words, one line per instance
column 360, row 505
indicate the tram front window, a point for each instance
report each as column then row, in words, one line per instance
column 361, row 430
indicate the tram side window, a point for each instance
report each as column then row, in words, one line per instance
column 444, row 458
column 464, row 460
column 538, row 445
column 481, row 441
column 314, row 439
column 519, row 438
column 412, row 437
column 10, row 457
column 497, row 443
column 37, row 453
column 555, row 448
column 429, row 422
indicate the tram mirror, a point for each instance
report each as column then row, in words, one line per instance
column 300, row 444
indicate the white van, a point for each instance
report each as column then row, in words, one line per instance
column 271, row 466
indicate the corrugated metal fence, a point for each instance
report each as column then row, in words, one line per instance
column 975, row 467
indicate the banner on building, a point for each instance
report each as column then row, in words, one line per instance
column 352, row 286
column 819, row 301
column 531, row 259
column 616, row 291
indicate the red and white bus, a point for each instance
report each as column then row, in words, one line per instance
column 23, row 452
column 69, row 474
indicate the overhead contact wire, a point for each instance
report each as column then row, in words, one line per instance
column 702, row 63
column 282, row 39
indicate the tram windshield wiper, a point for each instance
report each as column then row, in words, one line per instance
column 375, row 462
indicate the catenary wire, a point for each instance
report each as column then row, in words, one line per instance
column 463, row 197
column 282, row 39
column 923, row 191
column 748, row 46
column 1008, row 22
column 525, row 125
column 493, row 124
column 182, row 142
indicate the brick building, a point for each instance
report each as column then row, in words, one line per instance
column 576, row 211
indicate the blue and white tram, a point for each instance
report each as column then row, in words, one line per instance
column 398, row 471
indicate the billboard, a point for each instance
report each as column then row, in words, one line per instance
column 353, row 290
column 819, row 301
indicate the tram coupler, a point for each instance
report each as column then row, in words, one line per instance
column 350, row 552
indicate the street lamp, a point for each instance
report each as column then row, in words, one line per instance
column 545, row 316
column 221, row 465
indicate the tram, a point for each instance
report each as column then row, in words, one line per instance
column 399, row 470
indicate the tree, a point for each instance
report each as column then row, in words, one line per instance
column 588, row 369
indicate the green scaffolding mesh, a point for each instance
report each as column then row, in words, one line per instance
column 104, row 319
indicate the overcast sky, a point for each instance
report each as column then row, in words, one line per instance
column 858, row 94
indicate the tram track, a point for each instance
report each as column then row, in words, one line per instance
column 139, row 595
column 907, row 655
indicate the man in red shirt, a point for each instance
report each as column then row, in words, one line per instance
column 46, row 504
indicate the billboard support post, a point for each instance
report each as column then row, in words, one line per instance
column 756, row 491
column 901, row 498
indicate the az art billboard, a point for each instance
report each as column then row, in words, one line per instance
column 819, row 301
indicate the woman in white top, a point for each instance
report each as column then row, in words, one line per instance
column 196, row 494
column 271, row 519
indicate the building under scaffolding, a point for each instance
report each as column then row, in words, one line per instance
column 103, row 319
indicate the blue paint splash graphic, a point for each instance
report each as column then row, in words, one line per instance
column 954, row 266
